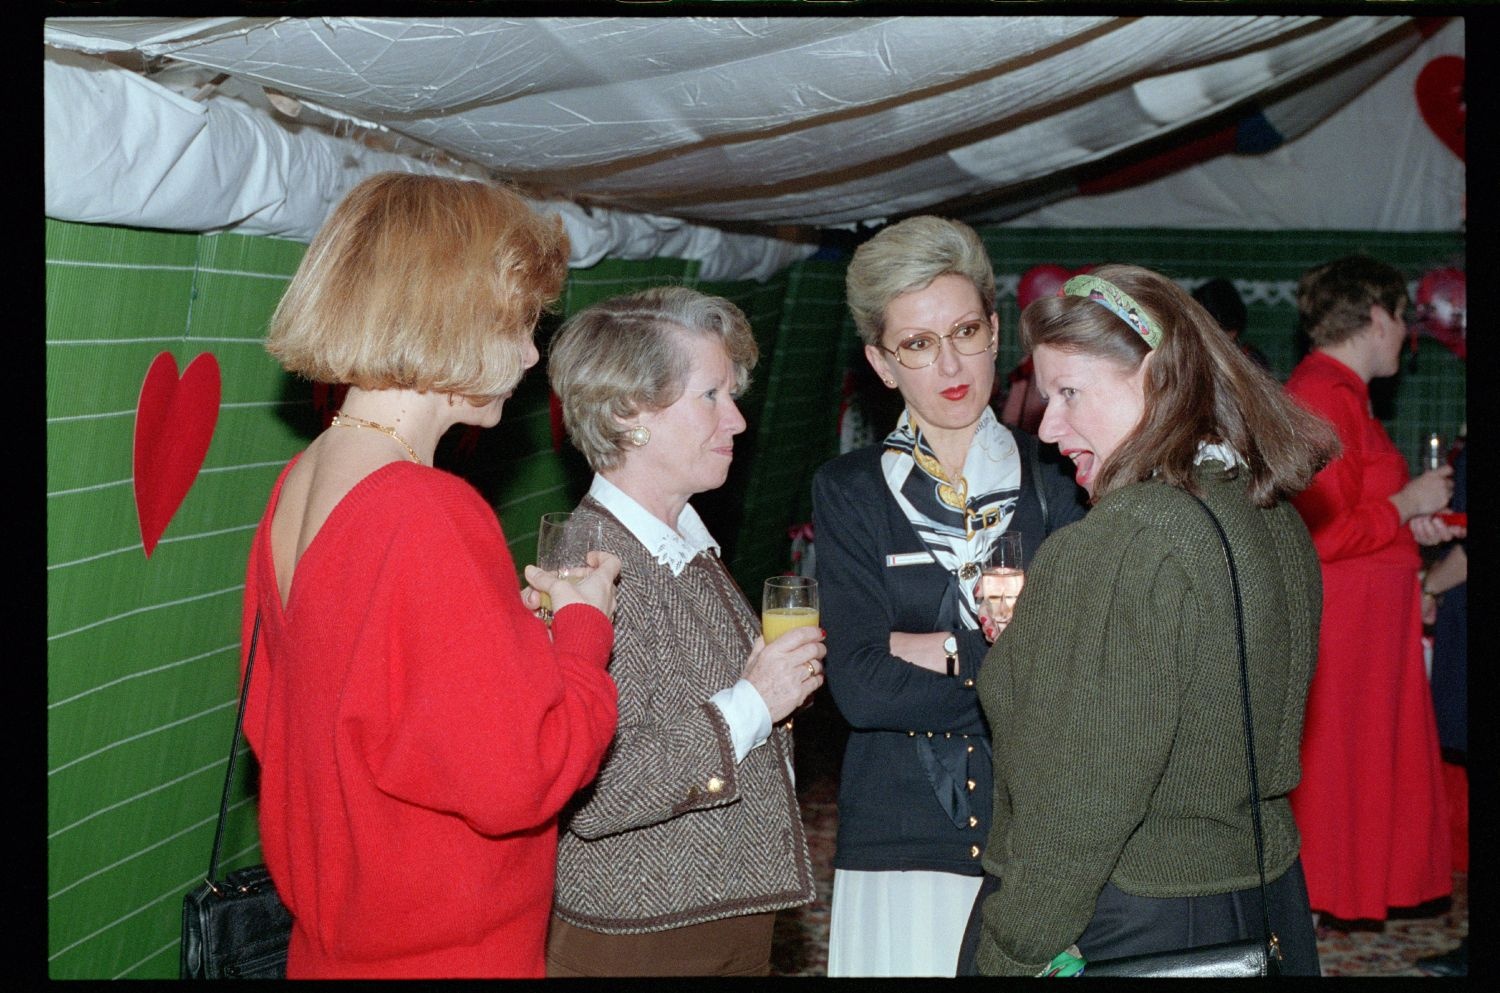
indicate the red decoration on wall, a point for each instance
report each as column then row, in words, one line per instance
column 1440, row 98
column 1155, row 166
column 468, row 443
column 1045, row 281
column 327, row 398
column 1040, row 281
column 174, row 422
column 559, row 429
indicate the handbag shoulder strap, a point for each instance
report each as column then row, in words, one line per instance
column 1272, row 942
column 239, row 723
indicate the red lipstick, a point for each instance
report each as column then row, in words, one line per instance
column 956, row 392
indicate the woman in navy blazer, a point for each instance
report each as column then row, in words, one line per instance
column 903, row 529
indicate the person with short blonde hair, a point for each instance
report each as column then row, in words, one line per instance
column 676, row 861
column 904, row 530
column 907, row 256
column 466, row 270
column 393, row 646
column 621, row 356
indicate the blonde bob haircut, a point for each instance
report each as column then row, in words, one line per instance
column 907, row 256
column 1199, row 387
column 424, row 283
column 624, row 355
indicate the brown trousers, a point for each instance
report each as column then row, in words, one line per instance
column 731, row 946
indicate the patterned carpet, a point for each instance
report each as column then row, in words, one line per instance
column 1344, row 948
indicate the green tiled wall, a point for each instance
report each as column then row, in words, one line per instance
column 142, row 652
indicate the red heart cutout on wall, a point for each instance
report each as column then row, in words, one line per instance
column 174, row 422
column 1440, row 98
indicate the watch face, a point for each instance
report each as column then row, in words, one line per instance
column 950, row 644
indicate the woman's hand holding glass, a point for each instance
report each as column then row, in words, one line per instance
column 1000, row 584
column 787, row 669
column 570, row 567
column 593, row 584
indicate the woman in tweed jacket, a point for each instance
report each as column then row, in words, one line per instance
column 675, row 861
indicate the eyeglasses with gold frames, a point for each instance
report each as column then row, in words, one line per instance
column 921, row 350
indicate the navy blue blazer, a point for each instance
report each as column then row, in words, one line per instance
column 915, row 789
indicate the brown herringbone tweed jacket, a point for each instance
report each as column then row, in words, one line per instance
column 673, row 832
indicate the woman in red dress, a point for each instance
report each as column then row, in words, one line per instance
column 1370, row 806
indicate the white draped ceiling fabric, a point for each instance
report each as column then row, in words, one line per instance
column 733, row 140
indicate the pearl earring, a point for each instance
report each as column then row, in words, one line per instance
column 639, row 435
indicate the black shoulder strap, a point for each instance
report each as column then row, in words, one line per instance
column 1273, row 944
column 239, row 723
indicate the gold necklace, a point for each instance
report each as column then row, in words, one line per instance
column 343, row 420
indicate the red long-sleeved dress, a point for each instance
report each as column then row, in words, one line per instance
column 417, row 732
column 1370, row 806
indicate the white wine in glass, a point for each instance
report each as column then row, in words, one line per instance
column 1001, row 581
column 563, row 543
column 788, row 602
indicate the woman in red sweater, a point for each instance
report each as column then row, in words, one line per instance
column 418, row 729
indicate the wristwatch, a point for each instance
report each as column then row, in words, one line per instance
column 950, row 650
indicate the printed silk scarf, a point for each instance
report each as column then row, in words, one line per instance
column 959, row 521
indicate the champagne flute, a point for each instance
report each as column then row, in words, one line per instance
column 1001, row 581
column 788, row 602
column 563, row 543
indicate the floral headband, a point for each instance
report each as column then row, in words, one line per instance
column 1110, row 296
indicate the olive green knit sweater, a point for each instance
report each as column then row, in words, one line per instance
column 1114, row 702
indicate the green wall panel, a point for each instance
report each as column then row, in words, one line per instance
column 119, row 246
column 88, row 302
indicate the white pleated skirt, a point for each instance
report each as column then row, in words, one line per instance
column 906, row 923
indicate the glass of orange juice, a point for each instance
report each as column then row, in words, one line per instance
column 788, row 602
column 563, row 542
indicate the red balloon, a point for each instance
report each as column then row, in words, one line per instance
column 1442, row 301
column 1440, row 98
column 1040, row 281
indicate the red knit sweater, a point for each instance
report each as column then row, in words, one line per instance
column 418, row 733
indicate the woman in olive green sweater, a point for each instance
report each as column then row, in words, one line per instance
column 1122, row 817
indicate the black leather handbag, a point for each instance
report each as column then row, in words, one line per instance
column 1249, row 957
column 236, row 927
